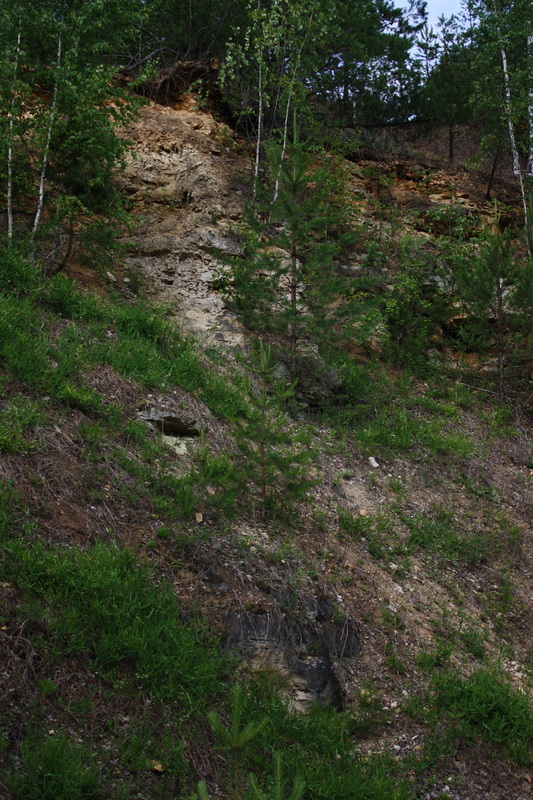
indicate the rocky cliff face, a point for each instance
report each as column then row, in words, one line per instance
column 186, row 176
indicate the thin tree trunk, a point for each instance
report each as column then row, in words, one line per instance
column 10, row 145
column 287, row 110
column 529, row 169
column 51, row 120
column 501, row 343
column 284, row 145
column 259, row 127
column 514, row 149
column 450, row 142
column 492, row 172
column 293, row 288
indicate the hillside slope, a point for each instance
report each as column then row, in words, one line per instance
column 137, row 562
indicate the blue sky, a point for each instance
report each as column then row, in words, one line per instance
column 438, row 7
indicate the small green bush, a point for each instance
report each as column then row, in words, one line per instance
column 102, row 602
column 20, row 415
column 18, row 276
column 441, row 534
column 485, row 705
column 52, row 769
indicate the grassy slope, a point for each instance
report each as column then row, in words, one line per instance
column 109, row 622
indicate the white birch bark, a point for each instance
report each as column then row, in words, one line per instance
column 46, row 151
column 514, row 149
column 284, row 145
column 259, row 127
column 10, row 144
column 287, row 109
column 529, row 169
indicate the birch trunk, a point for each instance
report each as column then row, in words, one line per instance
column 46, row 151
column 259, row 127
column 284, row 145
column 529, row 170
column 514, row 149
column 10, row 145
column 287, row 110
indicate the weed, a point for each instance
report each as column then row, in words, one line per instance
column 473, row 640
column 47, row 687
column 485, row 705
column 429, row 660
column 393, row 660
column 79, row 397
column 236, row 737
column 350, row 526
column 440, row 534
column 20, row 415
column 53, row 769
column 101, row 602
column 391, row 619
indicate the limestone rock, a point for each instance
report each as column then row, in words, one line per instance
column 168, row 422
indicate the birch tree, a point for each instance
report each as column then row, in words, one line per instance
column 61, row 106
column 503, row 40
column 266, row 68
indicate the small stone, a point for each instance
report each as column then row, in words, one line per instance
column 373, row 463
column 110, row 276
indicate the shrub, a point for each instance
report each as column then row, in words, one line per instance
column 485, row 705
column 54, row 770
column 101, row 602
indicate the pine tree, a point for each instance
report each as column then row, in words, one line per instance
column 274, row 459
column 497, row 291
column 234, row 739
column 285, row 281
column 60, row 107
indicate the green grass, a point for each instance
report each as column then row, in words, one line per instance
column 101, row 602
column 51, row 333
column 441, row 533
column 486, row 706
column 53, row 769
column 319, row 747
column 398, row 430
column 350, row 526
column 386, row 418
column 18, row 417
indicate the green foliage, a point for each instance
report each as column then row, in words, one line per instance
column 396, row 429
column 18, row 276
column 497, row 292
column 79, row 397
column 414, row 308
column 60, row 107
column 351, row 526
column 318, row 751
column 485, row 705
column 279, row 791
column 285, row 281
column 20, row 415
column 102, row 602
column 441, row 533
column 236, row 737
column 53, row 769
column 429, row 660
column 273, row 457
column 135, row 338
